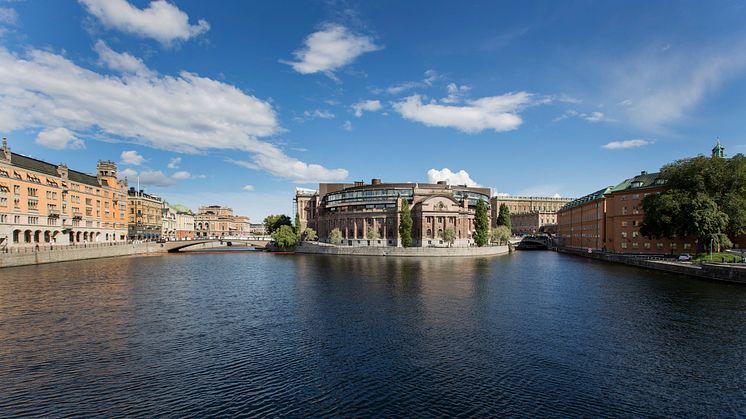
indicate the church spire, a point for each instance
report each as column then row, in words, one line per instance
column 718, row 150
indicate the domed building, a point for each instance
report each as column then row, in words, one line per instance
column 369, row 214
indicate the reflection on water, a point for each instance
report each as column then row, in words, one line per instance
column 250, row 333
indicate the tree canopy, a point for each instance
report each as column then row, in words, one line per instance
column 335, row 236
column 274, row 222
column 500, row 234
column 405, row 224
column 481, row 224
column 503, row 218
column 704, row 198
column 449, row 236
column 285, row 237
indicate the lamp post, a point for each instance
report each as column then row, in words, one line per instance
column 711, row 239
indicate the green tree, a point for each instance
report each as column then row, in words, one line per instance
column 704, row 198
column 481, row 224
column 309, row 234
column 503, row 218
column 500, row 234
column 335, row 236
column 405, row 224
column 285, row 237
column 274, row 222
column 373, row 234
column 297, row 224
column 449, row 236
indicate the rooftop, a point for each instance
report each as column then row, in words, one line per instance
column 587, row 198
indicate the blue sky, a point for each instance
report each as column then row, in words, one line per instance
column 239, row 103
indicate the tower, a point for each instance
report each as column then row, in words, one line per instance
column 106, row 172
column 5, row 155
column 718, row 150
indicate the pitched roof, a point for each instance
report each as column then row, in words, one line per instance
column 641, row 181
column 587, row 198
column 49, row 169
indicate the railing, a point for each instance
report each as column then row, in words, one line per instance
column 48, row 247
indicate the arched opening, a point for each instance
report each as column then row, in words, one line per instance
column 107, row 237
column 37, row 236
column 85, row 236
column 47, row 236
column 78, row 237
column 54, row 236
column 27, row 236
column 429, row 233
column 16, row 236
column 71, row 237
column 98, row 236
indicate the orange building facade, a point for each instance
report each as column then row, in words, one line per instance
column 47, row 204
column 610, row 220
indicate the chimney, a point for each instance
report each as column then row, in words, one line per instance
column 375, row 181
column 643, row 173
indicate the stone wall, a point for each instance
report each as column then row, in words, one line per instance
column 68, row 253
column 715, row 271
column 401, row 251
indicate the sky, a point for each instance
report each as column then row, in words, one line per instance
column 239, row 103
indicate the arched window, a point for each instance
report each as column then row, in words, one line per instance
column 37, row 236
column 47, row 236
column 27, row 236
column 16, row 236
column 429, row 233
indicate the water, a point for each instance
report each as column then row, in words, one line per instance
column 239, row 333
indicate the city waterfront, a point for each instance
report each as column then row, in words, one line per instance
column 526, row 334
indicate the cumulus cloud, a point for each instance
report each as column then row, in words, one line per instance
column 155, row 178
column 182, row 175
column 290, row 168
column 458, row 178
column 623, row 144
column 127, row 173
column 174, row 163
column 455, row 93
column 132, row 157
column 347, row 126
column 59, row 139
column 183, row 113
column 366, row 105
column 499, row 113
column 121, row 62
column 161, row 20
column 332, row 47
column 248, row 188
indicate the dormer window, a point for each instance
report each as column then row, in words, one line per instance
column 636, row 184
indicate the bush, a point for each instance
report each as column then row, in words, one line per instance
column 285, row 237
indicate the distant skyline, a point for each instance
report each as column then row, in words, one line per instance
column 237, row 104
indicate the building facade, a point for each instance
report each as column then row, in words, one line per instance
column 529, row 214
column 47, row 204
column 184, row 225
column 145, row 215
column 610, row 220
column 369, row 215
column 216, row 221
column 168, row 217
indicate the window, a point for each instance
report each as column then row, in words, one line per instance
column 635, row 234
column 635, row 245
column 624, row 234
column 646, row 245
column 624, row 245
column 687, row 246
column 624, row 223
column 33, row 220
column 659, row 246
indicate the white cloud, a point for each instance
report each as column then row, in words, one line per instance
column 595, row 117
column 161, row 20
column 184, row 113
column 59, row 139
column 248, row 188
column 315, row 114
column 182, row 175
column 8, row 15
column 592, row 117
column 455, row 93
column 458, row 178
column 347, row 126
column 127, row 173
column 117, row 61
column 174, row 163
column 293, row 169
column 329, row 49
column 499, row 113
column 366, row 105
column 623, row 144
column 431, row 76
column 132, row 157
column 155, row 178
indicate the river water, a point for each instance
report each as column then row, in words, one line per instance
column 248, row 333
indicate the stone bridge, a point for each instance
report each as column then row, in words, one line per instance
column 177, row 246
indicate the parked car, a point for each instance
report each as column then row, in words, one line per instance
column 685, row 257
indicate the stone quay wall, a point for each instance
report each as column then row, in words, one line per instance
column 715, row 271
column 52, row 254
column 325, row 249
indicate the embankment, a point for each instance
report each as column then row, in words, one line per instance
column 715, row 271
column 323, row 249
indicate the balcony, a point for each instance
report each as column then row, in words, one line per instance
column 53, row 213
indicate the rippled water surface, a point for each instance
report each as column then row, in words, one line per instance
column 530, row 334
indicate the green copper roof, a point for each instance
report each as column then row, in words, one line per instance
column 641, row 181
column 588, row 198
column 180, row 208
